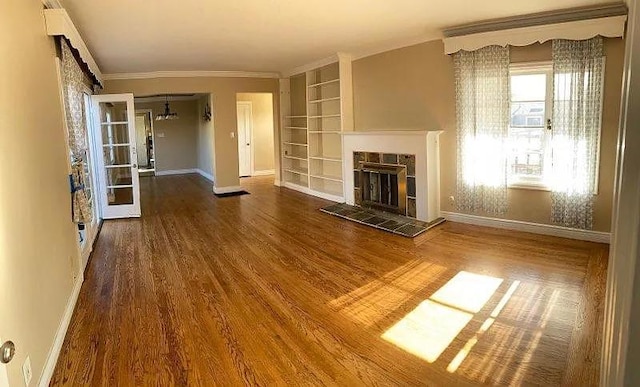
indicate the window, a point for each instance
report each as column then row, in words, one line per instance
column 529, row 138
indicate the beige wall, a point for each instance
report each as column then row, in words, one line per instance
column 38, row 249
column 412, row 88
column 178, row 148
column 223, row 92
column 263, row 129
column 205, row 138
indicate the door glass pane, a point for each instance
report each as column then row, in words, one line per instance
column 116, row 155
column 119, row 196
column 113, row 112
column 118, row 176
column 115, row 134
column 116, row 151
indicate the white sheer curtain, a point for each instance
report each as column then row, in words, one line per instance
column 72, row 79
column 577, row 104
column 482, row 109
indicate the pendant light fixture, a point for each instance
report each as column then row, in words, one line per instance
column 167, row 114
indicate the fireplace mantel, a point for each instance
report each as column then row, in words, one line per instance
column 423, row 144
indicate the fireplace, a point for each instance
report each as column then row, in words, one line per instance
column 386, row 159
column 383, row 187
column 385, row 181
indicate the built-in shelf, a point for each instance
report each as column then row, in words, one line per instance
column 325, row 100
column 326, row 158
column 297, row 171
column 328, row 177
column 295, row 157
column 325, row 82
column 320, row 98
column 295, row 143
column 326, row 116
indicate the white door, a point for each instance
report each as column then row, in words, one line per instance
column 115, row 132
column 244, row 138
column 90, row 185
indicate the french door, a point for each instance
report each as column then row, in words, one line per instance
column 115, row 135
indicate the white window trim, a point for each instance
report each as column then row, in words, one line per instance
column 536, row 68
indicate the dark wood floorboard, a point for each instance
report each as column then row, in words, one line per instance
column 264, row 289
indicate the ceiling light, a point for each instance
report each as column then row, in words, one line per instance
column 167, row 114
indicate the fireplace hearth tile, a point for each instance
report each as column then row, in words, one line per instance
column 392, row 224
column 390, row 158
column 375, row 220
column 361, row 216
column 381, row 220
column 411, row 186
column 357, row 158
column 411, row 207
column 410, row 229
column 410, row 162
column 373, row 157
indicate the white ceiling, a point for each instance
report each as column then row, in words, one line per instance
column 127, row 36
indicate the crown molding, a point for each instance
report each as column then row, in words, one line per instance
column 52, row 4
column 191, row 74
column 310, row 66
column 394, row 45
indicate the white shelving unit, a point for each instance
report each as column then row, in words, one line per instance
column 317, row 107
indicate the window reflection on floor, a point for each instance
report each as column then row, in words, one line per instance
column 482, row 327
column 429, row 329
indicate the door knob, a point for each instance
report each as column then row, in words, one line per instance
column 7, row 351
column 248, row 144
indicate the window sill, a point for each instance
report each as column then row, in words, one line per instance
column 530, row 186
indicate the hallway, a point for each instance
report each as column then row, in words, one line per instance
column 264, row 289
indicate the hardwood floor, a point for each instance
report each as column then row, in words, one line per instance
column 264, row 289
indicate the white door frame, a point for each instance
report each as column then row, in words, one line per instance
column 126, row 210
column 153, row 134
column 91, row 231
column 621, row 336
column 252, row 169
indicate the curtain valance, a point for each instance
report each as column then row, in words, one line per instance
column 610, row 27
column 59, row 24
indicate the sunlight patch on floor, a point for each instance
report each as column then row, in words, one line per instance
column 467, row 291
column 431, row 327
column 428, row 329
column 459, row 358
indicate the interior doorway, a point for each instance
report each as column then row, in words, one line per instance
column 145, row 142
column 245, row 138
column 255, row 134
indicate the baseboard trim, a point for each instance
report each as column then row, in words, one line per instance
column 176, row 172
column 309, row 191
column 266, row 172
column 536, row 228
column 54, row 352
column 224, row 190
column 205, row 174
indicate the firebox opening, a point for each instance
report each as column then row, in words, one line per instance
column 383, row 187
